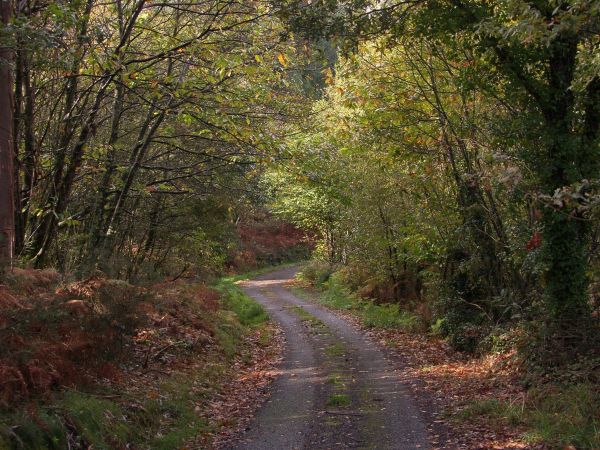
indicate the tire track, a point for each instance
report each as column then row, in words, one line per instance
column 336, row 388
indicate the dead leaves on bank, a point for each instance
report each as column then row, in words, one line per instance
column 445, row 382
column 234, row 408
column 101, row 335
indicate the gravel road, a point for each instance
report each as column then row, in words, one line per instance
column 336, row 388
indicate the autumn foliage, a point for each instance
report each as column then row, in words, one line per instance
column 80, row 333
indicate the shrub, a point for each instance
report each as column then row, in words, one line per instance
column 389, row 316
column 316, row 272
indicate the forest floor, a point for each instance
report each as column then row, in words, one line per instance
column 103, row 364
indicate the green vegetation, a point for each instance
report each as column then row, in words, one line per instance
column 167, row 422
column 442, row 158
column 333, row 294
column 339, row 400
column 305, row 316
column 501, row 411
column 336, row 349
column 230, row 280
column 337, row 380
column 247, row 310
column 558, row 417
column 389, row 316
column 451, row 166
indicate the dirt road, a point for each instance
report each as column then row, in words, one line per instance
column 336, row 388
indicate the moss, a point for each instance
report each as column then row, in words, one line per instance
column 339, row 400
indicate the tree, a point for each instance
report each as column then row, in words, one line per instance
column 6, row 145
column 128, row 113
column 541, row 57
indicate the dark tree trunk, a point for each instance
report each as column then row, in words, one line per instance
column 17, row 125
column 61, row 190
column 565, row 240
column 7, row 199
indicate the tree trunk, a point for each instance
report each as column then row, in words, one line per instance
column 61, row 191
column 16, row 138
column 7, row 224
column 565, row 239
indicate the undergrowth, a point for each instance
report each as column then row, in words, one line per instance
column 333, row 294
column 559, row 416
column 168, row 349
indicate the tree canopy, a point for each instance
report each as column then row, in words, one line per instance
column 445, row 152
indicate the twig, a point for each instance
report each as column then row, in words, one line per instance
column 181, row 273
column 167, row 347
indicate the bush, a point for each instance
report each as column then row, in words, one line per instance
column 316, row 272
column 462, row 322
column 389, row 316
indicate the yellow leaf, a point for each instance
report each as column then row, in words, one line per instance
column 282, row 59
column 329, row 76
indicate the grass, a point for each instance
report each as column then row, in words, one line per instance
column 162, row 421
column 494, row 409
column 175, row 405
column 557, row 416
column 339, row 400
column 248, row 311
column 569, row 416
column 96, row 421
column 254, row 273
column 336, row 296
column 389, row 316
column 336, row 380
column 336, row 349
column 305, row 316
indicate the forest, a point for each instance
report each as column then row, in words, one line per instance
column 429, row 168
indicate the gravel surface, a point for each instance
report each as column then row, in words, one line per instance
column 337, row 389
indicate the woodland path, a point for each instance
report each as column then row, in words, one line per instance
column 336, row 388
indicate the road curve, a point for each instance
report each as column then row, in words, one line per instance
column 336, row 388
